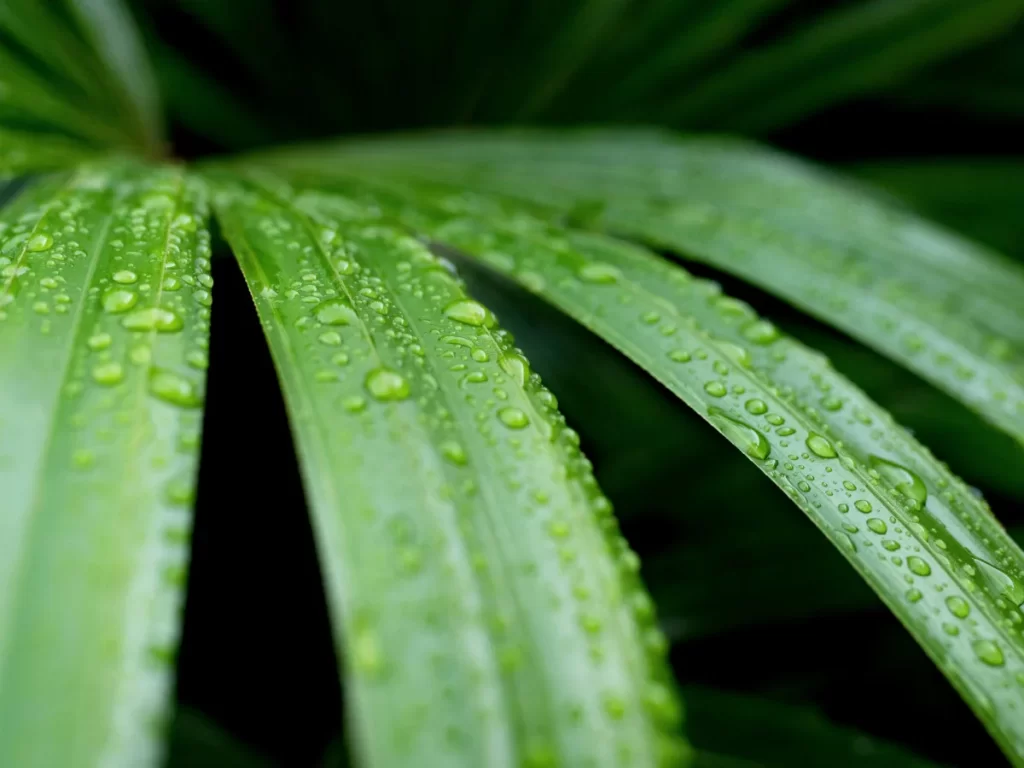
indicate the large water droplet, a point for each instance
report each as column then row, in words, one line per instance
column 715, row 389
column 820, row 446
column 153, row 318
column 387, row 385
column 38, row 243
column 918, row 566
column 99, row 341
column 761, row 332
column 598, row 272
column 958, row 606
column 516, row 366
column 902, row 479
column 513, row 418
column 108, row 374
column 988, row 652
column 753, row 442
column 470, row 312
column 1000, row 583
column 336, row 311
column 125, row 277
column 454, row 452
column 173, row 388
column 119, row 300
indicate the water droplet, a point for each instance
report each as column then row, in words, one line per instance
column 1000, row 582
column 988, row 652
column 598, row 272
column 761, row 332
column 39, row 243
column 153, row 318
column 336, row 311
column 877, row 525
column 340, row 359
column 198, row 359
column 863, row 505
column 471, row 313
column 958, row 606
column 753, row 442
column 354, row 403
column 171, row 284
column 516, row 366
column 918, row 566
column 914, row 595
column 108, row 374
column 387, row 385
column 119, row 300
column 330, row 338
column 902, row 479
column 99, row 341
column 820, row 446
column 454, row 452
column 203, row 297
column 891, row 545
column 513, row 418
column 715, row 389
column 125, row 277
column 679, row 356
column 756, row 407
column 173, row 388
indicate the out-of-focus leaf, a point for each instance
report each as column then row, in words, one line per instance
column 111, row 31
column 728, row 727
column 24, row 152
column 840, row 54
column 103, row 325
column 946, row 308
column 198, row 742
column 503, row 622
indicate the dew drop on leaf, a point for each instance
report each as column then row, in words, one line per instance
column 174, row 389
column 470, row 312
column 335, row 311
column 513, row 418
column 119, row 300
column 385, row 385
column 752, row 441
column 820, row 446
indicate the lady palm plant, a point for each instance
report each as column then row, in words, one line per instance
column 487, row 609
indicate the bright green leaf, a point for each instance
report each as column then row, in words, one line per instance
column 921, row 538
column 104, row 318
column 22, row 152
column 489, row 611
column 947, row 309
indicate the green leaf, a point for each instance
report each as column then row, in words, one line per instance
column 490, row 613
column 920, row 537
column 103, row 329
column 48, row 36
column 109, row 28
column 947, row 309
column 728, row 727
column 840, row 54
column 23, row 152
column 28, row 98
column 198, row 742
column 979, row 196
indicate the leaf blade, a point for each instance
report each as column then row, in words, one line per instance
column 885, row 277
column 860, row 478
column 97, row 471
column 378, row 296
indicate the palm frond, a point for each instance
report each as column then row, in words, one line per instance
column 105, row 314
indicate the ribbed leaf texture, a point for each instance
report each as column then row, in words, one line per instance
column 104, row 316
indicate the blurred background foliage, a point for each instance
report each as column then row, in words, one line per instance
column 923, row 98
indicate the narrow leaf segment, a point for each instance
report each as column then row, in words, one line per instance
column 927, row 545
column 489, row 611
column 22, row 153
column 947, row 309
column 104, row 316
